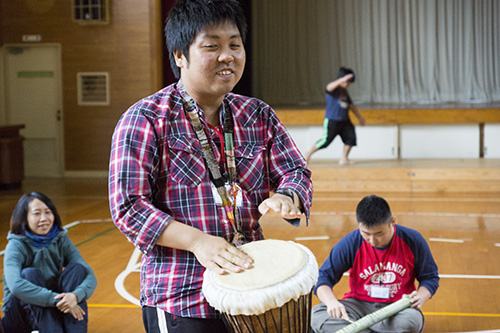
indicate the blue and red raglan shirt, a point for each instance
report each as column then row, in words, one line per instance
column 381, row 275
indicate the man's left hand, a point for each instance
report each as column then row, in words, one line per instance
column 418, row 298
column 280, row 204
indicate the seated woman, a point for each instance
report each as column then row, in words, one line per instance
column 46, row 280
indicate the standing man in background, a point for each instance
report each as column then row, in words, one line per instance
column 337, row 121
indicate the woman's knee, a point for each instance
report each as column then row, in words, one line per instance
column 76, row 268
column 33, row 275
column 72, row 276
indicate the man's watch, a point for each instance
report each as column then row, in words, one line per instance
column 287, row 192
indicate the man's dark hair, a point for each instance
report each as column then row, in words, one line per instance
column 343, row 71
column 188, row 17
column 372, row 211
column 19, row 218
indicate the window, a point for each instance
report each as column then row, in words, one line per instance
column 91, row 11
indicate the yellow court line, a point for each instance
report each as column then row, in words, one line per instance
column 451, row 314
column 461, row 314
column 113, row 306
column 454, row 314
column 108, row 305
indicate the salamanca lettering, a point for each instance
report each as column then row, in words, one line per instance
column 394, row 267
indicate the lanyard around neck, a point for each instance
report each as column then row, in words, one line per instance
column 209, row 156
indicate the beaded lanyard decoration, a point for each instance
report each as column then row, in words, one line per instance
column 228, row 205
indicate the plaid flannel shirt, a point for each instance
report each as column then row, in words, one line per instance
column 157, row 173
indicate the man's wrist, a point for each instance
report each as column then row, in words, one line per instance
column 286, row 191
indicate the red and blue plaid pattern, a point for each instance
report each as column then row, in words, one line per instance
column 157, row 173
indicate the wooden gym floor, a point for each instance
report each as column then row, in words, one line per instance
column 460, row 219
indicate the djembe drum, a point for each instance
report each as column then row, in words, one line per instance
column 274, row 295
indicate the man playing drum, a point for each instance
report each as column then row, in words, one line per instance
column 192, row 167
column 383, row 260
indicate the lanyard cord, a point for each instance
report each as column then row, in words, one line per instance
column 209, row 156
column 228, row 126
column 229, row 143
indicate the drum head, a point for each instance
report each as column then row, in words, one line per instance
column 274, row 261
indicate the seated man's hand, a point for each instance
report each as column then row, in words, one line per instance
column 337, row 310
column 419, row 297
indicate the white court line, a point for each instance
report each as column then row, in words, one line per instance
column 133, row 265
column 489, row 331
column 446, row 240
column 461, row 276
column 73, row 224
column 94, row 221
column 415, row 199
column 448, row 214
column 442, row 240
column 472, row 215
column 333, row 213
column 312, row 238
column 467, row 276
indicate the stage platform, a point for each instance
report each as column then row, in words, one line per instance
column 392, row 113
column 408, row 176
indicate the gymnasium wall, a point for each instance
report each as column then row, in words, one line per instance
column 129, row 48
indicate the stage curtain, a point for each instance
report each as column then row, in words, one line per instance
column 403, row 51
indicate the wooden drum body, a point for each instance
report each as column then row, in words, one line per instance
column 274, row 295
column 293, row 317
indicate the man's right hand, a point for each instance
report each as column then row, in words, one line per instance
column 218, row 255
column 336, row 309
column 213, row 252
column 347, row 77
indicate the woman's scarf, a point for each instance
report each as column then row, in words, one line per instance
column 43, row 240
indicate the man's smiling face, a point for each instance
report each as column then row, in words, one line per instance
column 216, row 62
